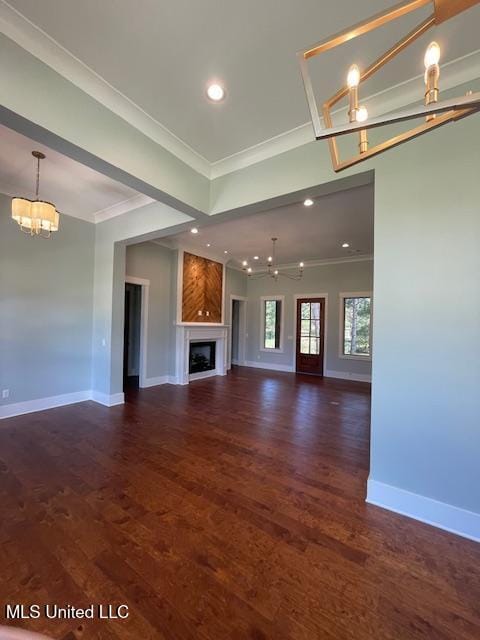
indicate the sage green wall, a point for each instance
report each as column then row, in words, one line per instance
column 46, row 309
column 331, row 279
column 154, row 263
column 426, row 372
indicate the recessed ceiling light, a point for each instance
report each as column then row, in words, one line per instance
column 308, row 202
column 194, row 230
column 255, row 257
column 345, row 245
column 215, row 92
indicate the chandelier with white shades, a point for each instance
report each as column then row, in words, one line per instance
column 271, row 268
column 35, row 217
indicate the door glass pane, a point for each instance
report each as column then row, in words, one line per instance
column 304, row 345
column 305, row 310
column 314, row 346
column 316, row 310
column 315, row 328
column 305, row 328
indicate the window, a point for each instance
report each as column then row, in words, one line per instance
column 356, row 330
column 271, row 323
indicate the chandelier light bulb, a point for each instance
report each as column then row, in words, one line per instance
column 362, row 114
column 249, row 270
column 255, row 257
column 432, row 55
column 301, row 265
column 353, row 76
column 269, row 259
column 276, row 272
column 244, row 263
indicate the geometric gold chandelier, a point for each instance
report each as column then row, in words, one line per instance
column 434, row 112
column 271, row 268
column 35, row 217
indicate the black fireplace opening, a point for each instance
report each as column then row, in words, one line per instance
column 202, row 356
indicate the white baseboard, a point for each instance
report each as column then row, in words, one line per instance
column 347, row 375
column 268, row 365
column 107, row 400
column 203, row 374
column 40, row 404
column 438, row 514
column 154, row 382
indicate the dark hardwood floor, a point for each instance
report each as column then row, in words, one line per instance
column 230, row 508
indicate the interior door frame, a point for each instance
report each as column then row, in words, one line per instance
column 145, row 286
column 300, row 296
column 242, row 330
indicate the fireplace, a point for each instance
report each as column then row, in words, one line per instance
column 209, row 341
column 202, row 356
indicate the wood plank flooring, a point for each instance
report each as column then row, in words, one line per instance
column 230, row 508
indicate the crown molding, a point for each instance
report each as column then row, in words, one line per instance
column 138, row 200
column 308, row 263
column 34, row 40
column 38, row 43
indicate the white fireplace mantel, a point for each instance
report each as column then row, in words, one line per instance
column 192, row 332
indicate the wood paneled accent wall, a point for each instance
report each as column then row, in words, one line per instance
column 202, row 289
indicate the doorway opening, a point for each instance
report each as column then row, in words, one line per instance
column 238, row 325
column 132, row 335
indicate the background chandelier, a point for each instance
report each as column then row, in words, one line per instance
column 272, row 268
column 35, row 217
column 435, row 113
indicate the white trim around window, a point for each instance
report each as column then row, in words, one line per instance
column 353, row 294
column 262, row 323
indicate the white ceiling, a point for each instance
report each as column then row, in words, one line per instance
column 75, row 189
column 161, row 54
column 304, row 233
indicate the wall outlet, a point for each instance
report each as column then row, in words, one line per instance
column 5, row 393
column 200, row 313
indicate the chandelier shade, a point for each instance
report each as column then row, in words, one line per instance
column 36, row 217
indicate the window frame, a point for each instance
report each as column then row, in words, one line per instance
column 280, row 299
column 341, row 341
